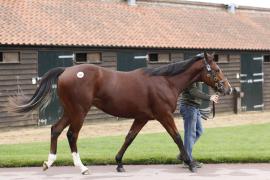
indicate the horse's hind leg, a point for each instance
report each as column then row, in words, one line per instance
column 134, row 130
column 56, row 130
column 72, row 135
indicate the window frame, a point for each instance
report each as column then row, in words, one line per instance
column 268, row 59
column 222, row 62
column 88, row 61
column 158, row 60
column 10, row 62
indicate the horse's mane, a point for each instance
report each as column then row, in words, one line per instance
column 174, row 68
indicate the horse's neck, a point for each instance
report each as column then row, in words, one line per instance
column 191, row 75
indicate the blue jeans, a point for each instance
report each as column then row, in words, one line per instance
column 192, row 126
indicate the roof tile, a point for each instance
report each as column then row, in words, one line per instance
column 114, row 23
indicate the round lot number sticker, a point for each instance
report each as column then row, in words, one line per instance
column 80, row 74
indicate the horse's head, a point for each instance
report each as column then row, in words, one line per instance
column 213, row 76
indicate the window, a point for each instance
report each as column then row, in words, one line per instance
column 92, row 57
column 222, row 58
column 216, row 58
column 9, row 57
column 153, row 57
column 81, row 57
column 164, row 57
column 1, row 57
column 266, row 58
column 159, row 57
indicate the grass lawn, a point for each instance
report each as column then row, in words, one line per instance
column 247, row 143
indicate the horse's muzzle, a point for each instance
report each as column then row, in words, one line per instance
column 225, row 91
column 228, row 91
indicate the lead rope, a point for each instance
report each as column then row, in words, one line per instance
column 214, row 109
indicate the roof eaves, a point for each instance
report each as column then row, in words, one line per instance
column 133, row 46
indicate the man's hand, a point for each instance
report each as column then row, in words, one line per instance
column 214, row 98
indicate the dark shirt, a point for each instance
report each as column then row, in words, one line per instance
column 193, row 95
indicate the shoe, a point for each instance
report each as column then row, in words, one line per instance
column 197, row 164
column 194, row 164
column 185, row 165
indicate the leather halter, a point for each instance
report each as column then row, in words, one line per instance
column 219, row 84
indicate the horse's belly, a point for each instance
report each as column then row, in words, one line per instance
column 125, row 109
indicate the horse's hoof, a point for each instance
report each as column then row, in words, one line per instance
column 120, row 169
column 86, row 172
column 45, row 166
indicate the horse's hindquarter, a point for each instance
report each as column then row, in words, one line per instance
column 76, row 85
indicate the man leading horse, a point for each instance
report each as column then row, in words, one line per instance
column 143, row 94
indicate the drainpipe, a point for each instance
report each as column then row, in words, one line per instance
column 231, row 8
column 131, row 2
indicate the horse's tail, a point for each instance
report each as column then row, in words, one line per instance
column 41, row 97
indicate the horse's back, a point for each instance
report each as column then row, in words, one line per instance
column 98, row 81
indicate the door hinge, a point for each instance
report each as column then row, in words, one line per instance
column 258, row 74
column 249, row 81
column 141, row 57
column 258, row 58
column 243, row 75
column 259, row 106
column 243, row 81
column 67, row 56
column 258, row 80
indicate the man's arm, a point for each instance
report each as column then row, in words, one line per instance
column 195, row 91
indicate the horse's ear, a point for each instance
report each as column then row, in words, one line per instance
column 206, row 56
column 212, row 56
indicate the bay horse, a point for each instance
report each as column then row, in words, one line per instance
column 143, row 94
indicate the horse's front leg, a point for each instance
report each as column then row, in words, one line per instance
column 133, row 132
column 168, row 123
column 56, row 130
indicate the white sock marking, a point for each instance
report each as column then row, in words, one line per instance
column 77, row 162
column 51, row 159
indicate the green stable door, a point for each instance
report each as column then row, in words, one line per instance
column 128, row 61
column 251, row 79
column 48, row 60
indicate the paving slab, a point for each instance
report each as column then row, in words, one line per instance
column 143, row 172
